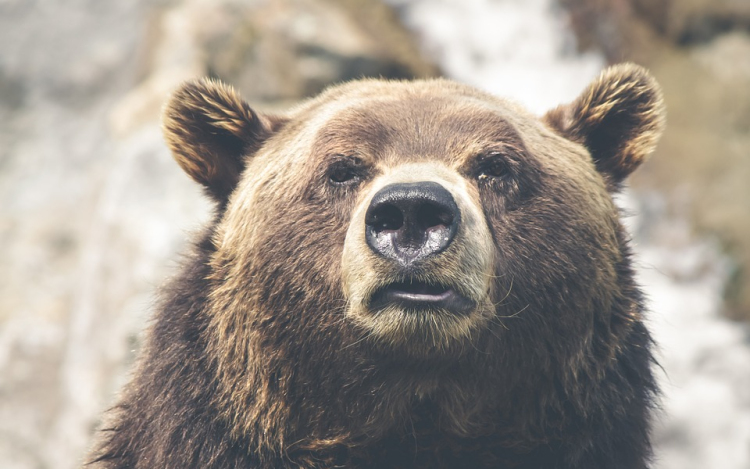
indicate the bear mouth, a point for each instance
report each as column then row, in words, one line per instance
column 419, row 296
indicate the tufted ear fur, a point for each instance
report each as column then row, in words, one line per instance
column 211, row 132
column 618, row 118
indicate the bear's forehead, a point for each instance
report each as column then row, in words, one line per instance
column 412, row 124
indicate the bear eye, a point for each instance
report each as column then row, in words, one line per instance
column 492, row 166
column 346, row 171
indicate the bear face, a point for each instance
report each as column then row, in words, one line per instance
column 399, row 252
column 536, row 212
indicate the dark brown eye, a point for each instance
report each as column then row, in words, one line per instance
column 492, row 166
column 346, row 171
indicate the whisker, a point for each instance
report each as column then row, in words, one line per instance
column 514, row 314
column 365, row 336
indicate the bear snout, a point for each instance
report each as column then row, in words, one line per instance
column 418, row 259
column 408, row 222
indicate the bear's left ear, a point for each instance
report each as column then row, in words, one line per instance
column 212, row 131
column 618, row 118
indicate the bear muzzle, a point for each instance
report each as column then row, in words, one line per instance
column 407, row 223
column 418, row 258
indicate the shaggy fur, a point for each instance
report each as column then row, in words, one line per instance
column 264, row 352
column 210, row 130
column 618, row 118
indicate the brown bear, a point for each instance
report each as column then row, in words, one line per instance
column 401, row 275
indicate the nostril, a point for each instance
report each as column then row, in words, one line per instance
column 386, row 217
column 407, row 222
column 433, row 216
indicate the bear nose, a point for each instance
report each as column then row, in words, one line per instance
column 407, row 222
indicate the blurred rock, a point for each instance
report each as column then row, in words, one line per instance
column 94, row 210
column 693, row 21
column 280, row 50
column 699, row 50
column 628, row 29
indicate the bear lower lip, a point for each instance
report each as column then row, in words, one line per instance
column 421, row 296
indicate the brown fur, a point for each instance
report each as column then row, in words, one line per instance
column 210, row 130
column 618, row 118
column 265, row 353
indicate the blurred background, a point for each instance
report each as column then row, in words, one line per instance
column 94, row 213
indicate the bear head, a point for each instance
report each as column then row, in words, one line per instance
column 387, row 240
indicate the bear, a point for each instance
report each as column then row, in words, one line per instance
column 401, row 274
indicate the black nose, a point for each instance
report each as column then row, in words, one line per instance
column 409, row 221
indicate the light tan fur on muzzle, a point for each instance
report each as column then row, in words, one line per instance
column 466, row 266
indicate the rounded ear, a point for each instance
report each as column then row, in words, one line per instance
column 618, row 118
column 211, row 132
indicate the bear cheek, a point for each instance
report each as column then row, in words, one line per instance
column 478, row 253
column 555, row 255
column 359, row 278
column 362, row 270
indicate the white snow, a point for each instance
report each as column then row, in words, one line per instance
column 523, row 49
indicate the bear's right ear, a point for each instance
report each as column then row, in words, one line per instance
column 618, row 118
column 211, row 132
